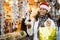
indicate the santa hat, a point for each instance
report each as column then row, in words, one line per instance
column 44, row 5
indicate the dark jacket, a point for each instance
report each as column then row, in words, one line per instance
column 58, row 22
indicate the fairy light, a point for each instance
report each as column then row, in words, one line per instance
column 36, row 0
column 58, row 1
column 11, row 2
column 16, row 2
column 6, row 0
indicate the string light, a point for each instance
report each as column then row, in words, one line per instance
column 36, row 0
column 6, row 0
column 58, row 1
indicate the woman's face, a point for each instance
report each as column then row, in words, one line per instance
column 42, row 11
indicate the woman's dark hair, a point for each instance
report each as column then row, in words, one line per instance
column 38, row 15
column 49, row 16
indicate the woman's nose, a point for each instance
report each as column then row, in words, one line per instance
column 41, row 10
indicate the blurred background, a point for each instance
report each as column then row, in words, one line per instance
column 12, row 12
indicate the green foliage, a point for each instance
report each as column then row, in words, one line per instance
column 22, row 33
column 9, row 38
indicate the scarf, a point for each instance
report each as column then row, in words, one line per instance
column 42, row 19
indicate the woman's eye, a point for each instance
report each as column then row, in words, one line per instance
column 40, row 8
column 44, row 9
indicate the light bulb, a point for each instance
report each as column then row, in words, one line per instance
column 6, row 0
column 36, row 0
column 11, row 2
column 58, row 1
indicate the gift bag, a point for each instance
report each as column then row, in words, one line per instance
column 47, row 33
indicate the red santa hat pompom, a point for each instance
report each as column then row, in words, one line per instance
column 44, row 5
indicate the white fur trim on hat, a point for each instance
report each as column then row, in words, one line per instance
column 44, row 6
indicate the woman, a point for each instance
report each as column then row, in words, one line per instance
column 40, row 20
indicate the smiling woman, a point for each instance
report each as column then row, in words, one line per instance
column 31, row 16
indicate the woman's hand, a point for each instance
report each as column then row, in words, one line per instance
column 28, row 24
column 47, row 23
